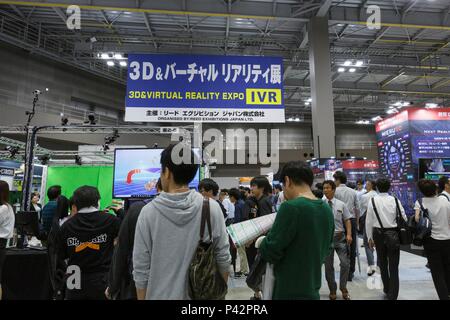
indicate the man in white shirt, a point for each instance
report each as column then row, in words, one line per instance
column 350, row 198
column 437, row 246
column 444, row 187
column 384, row 236
column 225, row 199
column 341, row 242
column 360, row 190
column 365, row 198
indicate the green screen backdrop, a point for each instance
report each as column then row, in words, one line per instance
column 71, row 178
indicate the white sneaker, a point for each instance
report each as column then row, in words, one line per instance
column 371, row 270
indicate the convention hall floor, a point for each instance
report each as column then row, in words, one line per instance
column 415, row 282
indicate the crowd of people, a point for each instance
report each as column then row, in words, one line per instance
column 144, row 251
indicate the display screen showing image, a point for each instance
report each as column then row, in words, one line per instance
column 136, row 172
column 433, row 169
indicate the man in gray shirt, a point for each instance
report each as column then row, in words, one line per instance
column 350, row 198
column 341, row 243
column 168, row 233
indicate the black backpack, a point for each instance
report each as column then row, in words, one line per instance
column 443, row 195
column 423, row 227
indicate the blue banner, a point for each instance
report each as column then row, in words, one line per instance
column 206, row 88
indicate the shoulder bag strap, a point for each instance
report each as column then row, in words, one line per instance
column 424, row 211
column 444, row 195
column 399, row 212
column 206, row 219
column 376, row 213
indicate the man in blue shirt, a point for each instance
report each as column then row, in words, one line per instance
column 49, row 209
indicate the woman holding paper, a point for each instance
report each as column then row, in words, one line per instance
column 301, row 237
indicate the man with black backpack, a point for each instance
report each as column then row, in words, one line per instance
column 382, row 231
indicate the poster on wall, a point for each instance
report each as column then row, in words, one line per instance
column 360, row 170
column 204, row 88
column 430, row 133
column 395, row 157
column 7, row 175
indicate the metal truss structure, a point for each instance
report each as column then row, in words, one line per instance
column 406, row 59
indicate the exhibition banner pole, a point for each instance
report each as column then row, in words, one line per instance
column 28, row 171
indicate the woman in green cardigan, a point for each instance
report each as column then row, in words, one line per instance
column 301, row 237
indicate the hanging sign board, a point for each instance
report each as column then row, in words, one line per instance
column 204, row 88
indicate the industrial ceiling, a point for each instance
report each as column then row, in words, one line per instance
column 406, row 60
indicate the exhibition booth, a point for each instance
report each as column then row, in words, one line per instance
column 414, row 144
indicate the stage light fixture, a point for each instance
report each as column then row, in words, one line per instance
column 341, row 69
column 110, row 63
column 123, row 63
column 44, row 159
column 91, row 119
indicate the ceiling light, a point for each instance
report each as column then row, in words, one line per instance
column 341, row 69
column 347, row 63
column 307, row 103
column 359, row 63
column 352, row 70
column 110, row 63
column 104, row 56
column 431, row 105
column 118, row 56
column 297, row 119
column 376, row 118
column 290, row 119
column 391, row 111
column 340, row 25
column 123, row 63
column 309, row 100
column 398, row 104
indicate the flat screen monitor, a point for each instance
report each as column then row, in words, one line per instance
column 136, row 172
column 433, row 169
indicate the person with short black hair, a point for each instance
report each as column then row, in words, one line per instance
column 384, row 208
column 236, row 200
column 87, row 241
column 350, row 198
column 318, row 193
column 120, row 283
column 7, row 220
column 248, row 192
column 63, row 206
column 437, row 246
column 210, row 189
column 35, row 205
column 261, row 191
column 277, row 189
column 365, row 199
column 49, row 209
column 300, row 238
column 341, row 240
column 444, row 187
column 360, row 190
column 168, row 231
